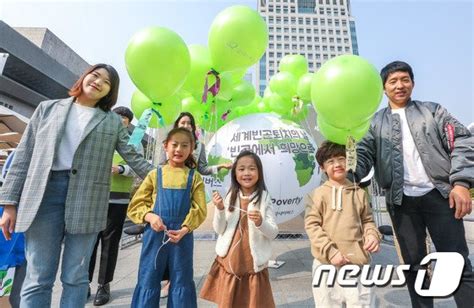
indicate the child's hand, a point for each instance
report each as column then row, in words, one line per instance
column 115, row 170
column 176, row 235
column 225, row 166
column 372, row 243
column 217, row 200
column 155, row 222
column 339, row 259
column 256, row 217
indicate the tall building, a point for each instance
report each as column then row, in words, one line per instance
column 316, row 29
column 35, row 65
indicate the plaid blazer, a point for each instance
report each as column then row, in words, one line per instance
column 89, row 183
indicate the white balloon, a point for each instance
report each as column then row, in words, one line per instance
column 287, row 152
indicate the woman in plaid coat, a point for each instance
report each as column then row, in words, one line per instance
column 57, row 188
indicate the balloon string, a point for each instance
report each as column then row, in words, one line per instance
column 225, row 115
column 204, row 93
column 310, row 129
column 297, row 105
column 140, row 128
column 215, row 88
column 158, row 114
column 215, row 124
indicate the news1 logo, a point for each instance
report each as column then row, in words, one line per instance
column 445, row 277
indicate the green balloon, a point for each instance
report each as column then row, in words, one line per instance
column 157, row 61
column 196, row 108
column 252, row 108
column 226, row 86
column 139, row 103
column 183, row 93
column 266, row 100
column 169, row 109
column 200, row 65
column 284, row 84
column 294, row 64
column 243, row 94
column 225, row 89
column 228, row 80
column 346, row 91
column 303, row 89
column 339, row 135
column 235, row 113
column 259, row 104
column 262, row 107
column 238, row 75
column 256, row 106
column 279, row 104
column 222, row 104
column 216, row 115
column 267, row 92
column 237, row 38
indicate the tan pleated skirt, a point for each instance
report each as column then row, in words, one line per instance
column 232, row 282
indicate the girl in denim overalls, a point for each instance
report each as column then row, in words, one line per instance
column 171, row 200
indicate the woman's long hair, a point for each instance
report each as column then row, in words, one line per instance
column 190, row 162
column 107, row 102
column 193, row 124
column 235, row 186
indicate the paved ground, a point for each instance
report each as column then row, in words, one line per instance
column 291, row 283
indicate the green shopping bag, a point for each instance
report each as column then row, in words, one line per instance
column 6, row 281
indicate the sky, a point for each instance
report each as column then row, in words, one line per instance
column 435, row 37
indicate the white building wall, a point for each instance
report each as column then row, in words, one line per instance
column 318, row 35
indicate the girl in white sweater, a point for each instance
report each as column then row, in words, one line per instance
column 246, row 226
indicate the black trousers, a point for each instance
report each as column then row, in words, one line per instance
column 410, row 221
column 110, row 242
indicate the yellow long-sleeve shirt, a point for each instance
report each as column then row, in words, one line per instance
column 144, row 199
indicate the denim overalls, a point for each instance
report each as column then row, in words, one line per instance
column 172, row 205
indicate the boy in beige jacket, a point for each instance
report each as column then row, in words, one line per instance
column 341, row 228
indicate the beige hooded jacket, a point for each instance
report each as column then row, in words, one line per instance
column 339, row 219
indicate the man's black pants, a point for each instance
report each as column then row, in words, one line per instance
column 410, row 221
column 110, row 242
